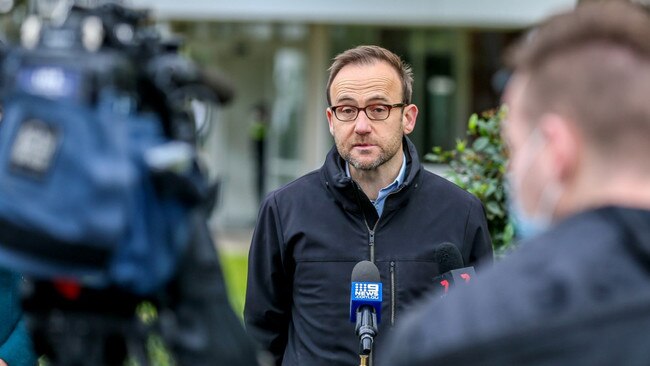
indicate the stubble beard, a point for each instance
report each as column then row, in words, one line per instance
column 386, row 153
column 367, row 166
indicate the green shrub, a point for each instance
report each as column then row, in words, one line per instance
column 478, row 165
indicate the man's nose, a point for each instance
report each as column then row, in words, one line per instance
column 362, row 124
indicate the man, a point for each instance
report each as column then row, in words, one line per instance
column 371, row 200
column 579, row 135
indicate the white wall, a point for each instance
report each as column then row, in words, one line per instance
column 482, row 13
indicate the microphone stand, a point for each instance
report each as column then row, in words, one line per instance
column 364, row 360
column 366, row 329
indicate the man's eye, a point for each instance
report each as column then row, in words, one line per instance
column 347, row 110
column 379, row 109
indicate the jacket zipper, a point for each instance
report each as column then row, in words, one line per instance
column 371, row 244
column 393, row 296
column 371, row 232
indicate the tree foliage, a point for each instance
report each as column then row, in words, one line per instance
column 478, row 165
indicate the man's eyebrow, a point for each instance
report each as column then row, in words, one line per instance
column 377, row 98
column 374, row 98
column 344, row 99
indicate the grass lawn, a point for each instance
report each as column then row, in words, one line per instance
column 235, row 266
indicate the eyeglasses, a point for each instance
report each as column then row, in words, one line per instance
column 374, row 112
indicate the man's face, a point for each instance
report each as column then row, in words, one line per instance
column 364, row 143
column 525, row 146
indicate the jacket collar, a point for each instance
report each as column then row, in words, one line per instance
column 634, row 223
column 350, row 196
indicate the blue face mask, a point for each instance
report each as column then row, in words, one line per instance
column 525, row 227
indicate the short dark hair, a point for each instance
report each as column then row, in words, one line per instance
column 367, row 55
column 591, row 65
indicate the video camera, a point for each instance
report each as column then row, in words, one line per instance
column 102, row 201
column 97, row 132
column 111, row 47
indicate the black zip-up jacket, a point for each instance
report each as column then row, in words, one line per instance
column 577, row 295
column 310, row 234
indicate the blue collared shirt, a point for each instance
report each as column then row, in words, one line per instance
column 384, row 192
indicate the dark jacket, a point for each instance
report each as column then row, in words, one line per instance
column 577, row 295
column 312, row 232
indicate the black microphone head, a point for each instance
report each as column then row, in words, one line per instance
column 365, row 271
column 448, row 257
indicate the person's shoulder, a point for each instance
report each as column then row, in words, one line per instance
column 300, row 184
column 303, row 185
column 548, row 275
column 584, row 234
column 440, row 186
column 495, row 302
column 541, row 278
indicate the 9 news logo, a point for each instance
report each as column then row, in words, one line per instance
column 366, row 291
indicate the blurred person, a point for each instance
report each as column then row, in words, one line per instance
column 642, row 3
column 578, row 130
column 371, row 200
column 15, row 343
column 258, row 132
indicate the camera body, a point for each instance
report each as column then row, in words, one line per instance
column 97, row 152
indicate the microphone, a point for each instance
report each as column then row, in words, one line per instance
column 365, row 303
column 450, row 264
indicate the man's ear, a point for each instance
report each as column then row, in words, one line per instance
column 564, row 143
column 409, row 118
column 329, row 114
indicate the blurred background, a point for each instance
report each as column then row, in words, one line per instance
column 275, row 54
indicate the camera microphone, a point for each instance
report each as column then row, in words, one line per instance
column 451, row 266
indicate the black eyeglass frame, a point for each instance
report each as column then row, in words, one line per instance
column 390, row 108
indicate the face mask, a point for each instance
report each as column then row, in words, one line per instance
column 526, row 225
